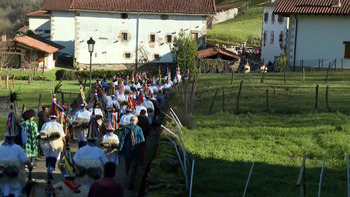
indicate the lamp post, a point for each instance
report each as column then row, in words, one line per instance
column 91, row 44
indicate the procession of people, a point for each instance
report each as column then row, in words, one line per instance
column 121, row 114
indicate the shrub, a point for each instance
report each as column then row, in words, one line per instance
column 75, row 75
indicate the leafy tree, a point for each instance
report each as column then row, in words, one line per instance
column 185, row 51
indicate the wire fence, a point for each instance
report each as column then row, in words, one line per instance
column 321, row 64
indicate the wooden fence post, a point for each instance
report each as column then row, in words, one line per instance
column 303, row 75
column 267, row 101
column 327, row 103
column 238, row 96
column 84, row 84
column 7, row 82
column 13, row 81
column 232, row 77
column 40, row 103
column 212, row 103
column 316, row 100
column 62, row 98
column 223, row 99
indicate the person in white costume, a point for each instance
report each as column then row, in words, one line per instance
column 82, row 117
column 110, row 143
column 90, row 157
column 12, row 156
column 148, row 104
column 52, row 139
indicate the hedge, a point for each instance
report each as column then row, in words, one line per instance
column 75, row 75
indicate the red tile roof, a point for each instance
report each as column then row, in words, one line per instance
column 317, row 7
column 214, row 51
column 36, row 44
column 203, row 7
column 57, row 5
column 40, row 13
column 23, row 29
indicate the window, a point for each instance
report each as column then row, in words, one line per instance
column 266, row 17
column 152, row 38
column 265, row 37
column 164, row 17
column 347, row 49
column 156, row 56
column 125, row 36
column 272, row 18
column 272, row 37
column 47, row 31
column 280, row 40
column 169, row 38
column 280, row 18
column 124, row 15
column 127, row 55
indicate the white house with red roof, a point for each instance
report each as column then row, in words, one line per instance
column 318, row 32
column 126, row 31
column 39, row 23
column 274, row 32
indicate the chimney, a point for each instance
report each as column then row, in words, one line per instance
column 3, row 38
column 336, row 3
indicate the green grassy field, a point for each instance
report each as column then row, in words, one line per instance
column 240, row 29
column 225, row 144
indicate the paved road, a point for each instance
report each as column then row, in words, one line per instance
column 40, row 176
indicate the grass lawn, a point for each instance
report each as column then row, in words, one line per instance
column 225, row 144
column 240, row 29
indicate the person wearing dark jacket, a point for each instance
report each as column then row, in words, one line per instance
column 107, row 186
column 43, row 117
column 146, row 128
column 130, row 147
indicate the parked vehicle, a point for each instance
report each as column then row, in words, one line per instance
column 65, row 57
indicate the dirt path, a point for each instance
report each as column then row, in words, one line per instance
column 40, row 176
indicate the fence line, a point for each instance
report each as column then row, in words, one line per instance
column 321, row 175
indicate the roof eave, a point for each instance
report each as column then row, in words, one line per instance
column 135, row 12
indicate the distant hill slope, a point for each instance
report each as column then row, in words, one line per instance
column 13, row 14
column 246, row 27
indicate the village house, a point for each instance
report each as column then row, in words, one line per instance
column 274, row 32
column 26, row 50
column 318, row 32
column 126, row 32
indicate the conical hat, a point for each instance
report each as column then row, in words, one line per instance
column 93, row 131
column 81, row 96
column 70, row 169
column 53, row 109
column 132, row 77
column 131, row 103
column 127, row 79
column 11, row 128
column 140, row 99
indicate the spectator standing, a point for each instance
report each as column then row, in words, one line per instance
column 130, row 146
column 32, row 134
column 144, row 124
column 43, row 117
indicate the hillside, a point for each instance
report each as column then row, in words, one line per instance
column 13, row 14
column 244, row 28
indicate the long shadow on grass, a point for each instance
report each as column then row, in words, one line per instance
column 215, row 177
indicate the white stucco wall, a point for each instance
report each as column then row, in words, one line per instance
column 40, row 24
column 225, row 15
column 270, row 51
column 321, row 37
column 62, row 30
column 105, row 29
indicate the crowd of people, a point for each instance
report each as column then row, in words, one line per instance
column 115, row 123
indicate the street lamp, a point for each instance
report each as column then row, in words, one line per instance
column 91, row 44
